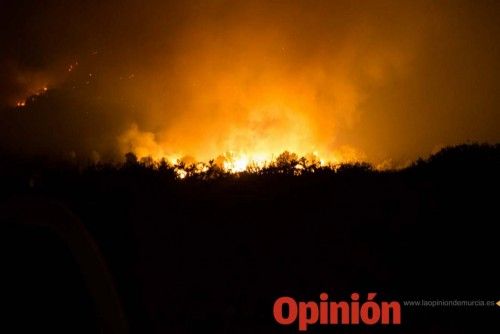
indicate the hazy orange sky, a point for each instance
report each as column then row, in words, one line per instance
column 382, row 81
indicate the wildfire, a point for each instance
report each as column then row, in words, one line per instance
column 281, row 149
column 31, row 96
column 235, row 163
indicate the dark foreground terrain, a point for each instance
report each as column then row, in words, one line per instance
column 211, row 253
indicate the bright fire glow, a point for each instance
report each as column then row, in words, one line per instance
column 238, row 145
column 237, row 165
column 234, row 162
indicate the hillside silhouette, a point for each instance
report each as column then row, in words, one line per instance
column 211, row 252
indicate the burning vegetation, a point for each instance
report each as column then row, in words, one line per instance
column 286, row 163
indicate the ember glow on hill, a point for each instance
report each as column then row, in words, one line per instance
column 33, row 94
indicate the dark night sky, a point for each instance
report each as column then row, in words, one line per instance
column 385, row 81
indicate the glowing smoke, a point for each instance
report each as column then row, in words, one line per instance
column 344, row 80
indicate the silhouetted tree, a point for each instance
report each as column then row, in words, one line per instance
column 130, row 160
